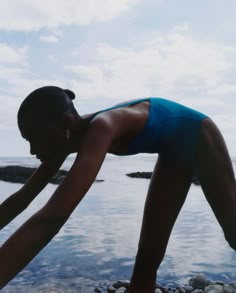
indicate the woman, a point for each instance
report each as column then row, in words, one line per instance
column 188, row 143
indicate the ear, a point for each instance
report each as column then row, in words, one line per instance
column 71, row 120
column 68, row 120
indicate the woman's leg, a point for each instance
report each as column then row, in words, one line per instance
column 215, row 172
column 167, row 192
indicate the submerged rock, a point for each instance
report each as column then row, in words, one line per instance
column 20, row 174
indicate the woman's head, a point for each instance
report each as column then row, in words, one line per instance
column 41, row 119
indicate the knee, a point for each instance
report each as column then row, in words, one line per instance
column 149, row 258
column 231, row 239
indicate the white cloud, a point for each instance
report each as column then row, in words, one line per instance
column 33, row 15
column 49, row 39
column 11, row 56
column 53, row 37
column 171, row 65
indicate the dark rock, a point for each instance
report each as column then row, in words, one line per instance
column 20, row 174
column 148, row 175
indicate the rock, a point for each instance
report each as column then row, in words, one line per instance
column 198, row 282
column 219, row 283
column 148, row 175
column 229, row 289
column 214, row 289
column 188, row 288
column 111, row 289
column 121, row 283
column 233, row 284
column 180, row 290
column 121, row 290
column 20, row 174
column 98, row 290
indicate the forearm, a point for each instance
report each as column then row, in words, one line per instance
column 20, row 200
column 23, row 245
column 10, row 208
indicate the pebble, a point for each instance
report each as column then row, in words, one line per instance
column 111, row 289
column 197, row 284
column 121, row 290
column 233, row 284
column 229, row 289
column 214, row 289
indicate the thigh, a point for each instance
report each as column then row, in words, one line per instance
column 167, row 192
column 216, row 175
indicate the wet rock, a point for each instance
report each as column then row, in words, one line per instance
column 198, row 282
column 180, row 290
column 20, row 174
column 111, row 289
column 121, row 290
column 121, row 283
column 229, row 289
column 219, row 283
column 214, row 289
column 148, row 175
column 233, row 284
column 188, row 288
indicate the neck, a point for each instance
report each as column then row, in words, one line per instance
column 77, row 134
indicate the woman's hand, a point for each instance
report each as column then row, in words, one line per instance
column 20, row 200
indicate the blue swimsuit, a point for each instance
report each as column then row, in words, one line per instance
column 171, row 130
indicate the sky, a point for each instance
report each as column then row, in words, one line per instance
column 109, row 51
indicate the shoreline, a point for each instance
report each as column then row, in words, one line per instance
column 197, row 284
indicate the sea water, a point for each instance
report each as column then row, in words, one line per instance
column 98, row 243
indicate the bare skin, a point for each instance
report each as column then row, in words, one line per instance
column 111, row 132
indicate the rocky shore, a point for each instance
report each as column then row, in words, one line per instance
column 20, row 174
column 197, row 284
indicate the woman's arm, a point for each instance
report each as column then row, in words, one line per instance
column 20, row 200
column 32, row 236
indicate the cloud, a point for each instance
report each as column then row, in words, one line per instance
column 53, row 37
column 10, row 55
column 172, row 65
column 49, row 39
column 27, row 15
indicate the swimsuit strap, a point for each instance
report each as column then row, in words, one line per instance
column 121, row 105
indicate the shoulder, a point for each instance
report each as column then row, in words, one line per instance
column 106, row 124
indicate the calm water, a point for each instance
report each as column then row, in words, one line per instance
column 98, row 243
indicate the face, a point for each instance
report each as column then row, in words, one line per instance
column 46, row 138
